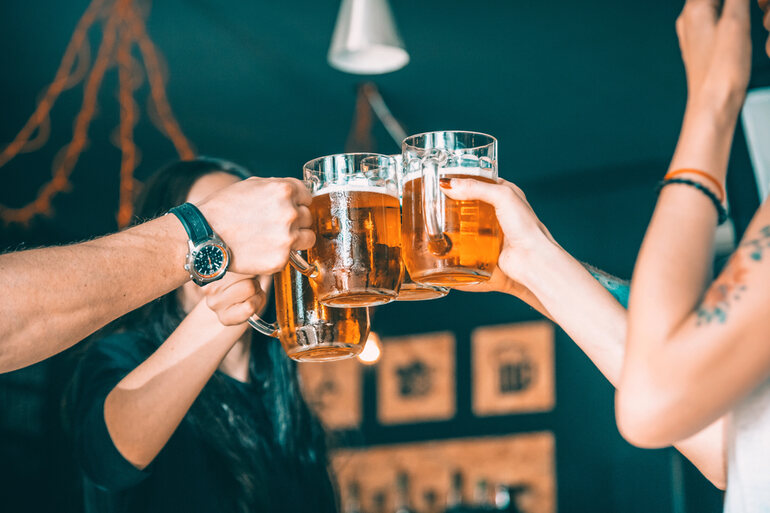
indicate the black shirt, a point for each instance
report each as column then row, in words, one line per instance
column 185, row 476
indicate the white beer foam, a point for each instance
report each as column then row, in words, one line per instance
column 453, row 171
column 390, row 189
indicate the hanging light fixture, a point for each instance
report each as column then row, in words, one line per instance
column 365, row 40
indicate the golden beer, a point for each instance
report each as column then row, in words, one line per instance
column 358, row 245
column 471, row 231
column 311, row 331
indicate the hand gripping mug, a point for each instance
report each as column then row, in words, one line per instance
column 448, row 242
column 356, row 259
column 308, row 330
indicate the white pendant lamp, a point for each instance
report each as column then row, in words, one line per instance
column 365, row 40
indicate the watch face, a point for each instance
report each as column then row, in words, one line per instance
column 210, row 260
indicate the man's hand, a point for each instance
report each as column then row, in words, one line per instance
column 235, row 298
column 261, row 220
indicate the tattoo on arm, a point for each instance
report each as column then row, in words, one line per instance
column 729, row 287
column 619, row 289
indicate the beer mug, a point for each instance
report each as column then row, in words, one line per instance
column 447, row 242
column 356, row 259
column 413, row 291
column 410, row 290
column 308, row 330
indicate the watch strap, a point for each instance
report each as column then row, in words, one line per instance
column 196, row 226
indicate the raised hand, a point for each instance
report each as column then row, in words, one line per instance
column 261, row 220
column 715, row 40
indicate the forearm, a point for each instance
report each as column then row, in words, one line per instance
column 55, row 297
column 145, row 408
column 582, row 307
column 675, row 262
column 673, row 270
column 587, row 304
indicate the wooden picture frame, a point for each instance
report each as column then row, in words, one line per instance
column 416, row 379
column 513, row 368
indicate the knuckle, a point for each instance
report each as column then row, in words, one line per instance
column 291, row 216
column 212, row 303
column 509, row 194
column 283, row 190
column 247, row 290
column 224, row 318
column 277, row 260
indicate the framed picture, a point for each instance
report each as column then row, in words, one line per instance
column 513, row 368
column 416, row 378
column 333, row 391
column 524, row 463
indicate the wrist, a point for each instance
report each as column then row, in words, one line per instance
column 528, row 263
column 211, row 213
column 718, row 106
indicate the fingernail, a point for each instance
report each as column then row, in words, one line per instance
column 445, row 183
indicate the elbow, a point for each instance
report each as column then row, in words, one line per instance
column 642, row 422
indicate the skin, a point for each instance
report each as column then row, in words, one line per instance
column 145, row 408
column 697, row 348
column 55, row 297
column 679, row 361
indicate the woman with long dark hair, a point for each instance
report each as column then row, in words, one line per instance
column 176, row 411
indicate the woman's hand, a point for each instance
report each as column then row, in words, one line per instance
column 714, row 37
column 235, row 298
column 522, row 230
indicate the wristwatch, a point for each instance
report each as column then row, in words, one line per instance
column 208, row 255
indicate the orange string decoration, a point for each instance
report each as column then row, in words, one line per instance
column 123, row 27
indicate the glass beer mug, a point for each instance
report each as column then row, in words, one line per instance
column 410, row 290
column 308, row 330
column 356, row 259
column 448, row 242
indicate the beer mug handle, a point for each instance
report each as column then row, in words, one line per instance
column 271, row 330
column 302, row 265
column 439, row 242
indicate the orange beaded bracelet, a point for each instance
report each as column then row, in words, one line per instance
column 719, row 187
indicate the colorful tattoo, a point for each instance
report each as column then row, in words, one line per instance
column 731, row 284
column 620, row 289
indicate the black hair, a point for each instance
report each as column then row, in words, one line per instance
column 276, row 462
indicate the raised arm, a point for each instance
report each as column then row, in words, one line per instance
column 581, row 299
column 53, row 297
column 145, row 408
column 696, row 348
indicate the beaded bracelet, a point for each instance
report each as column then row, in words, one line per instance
column 721, row 210
column 717, row 184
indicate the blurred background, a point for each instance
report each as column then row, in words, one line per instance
column 586, row 101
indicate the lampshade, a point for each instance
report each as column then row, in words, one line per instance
column 365, row 39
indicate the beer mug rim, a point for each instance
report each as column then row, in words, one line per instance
column 408, row 141
column 309, row 165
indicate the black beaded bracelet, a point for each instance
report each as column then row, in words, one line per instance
column 721, row 210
